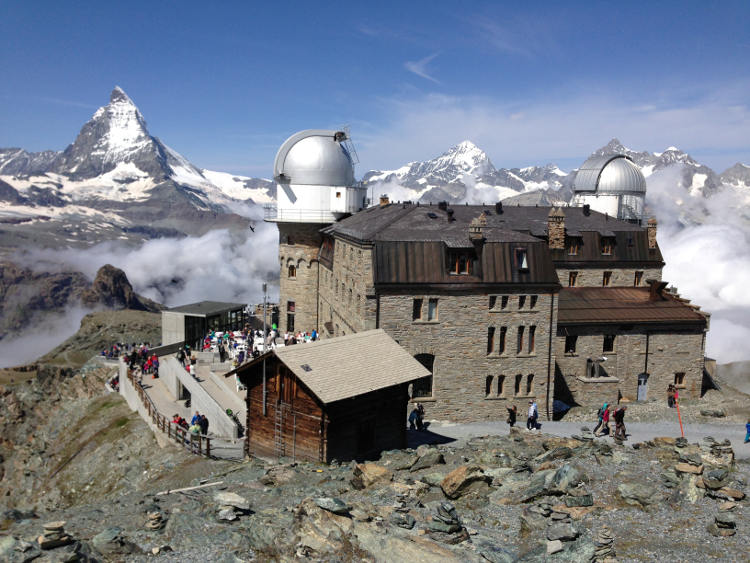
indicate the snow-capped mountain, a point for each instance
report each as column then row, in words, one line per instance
column 117, row 181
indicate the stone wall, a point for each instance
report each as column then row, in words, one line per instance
column 458, row 340
column 621, row 277
column 347, row 297
column 668, row 353
column 299, row 244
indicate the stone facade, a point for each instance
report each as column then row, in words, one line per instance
column 299, row 244
column 556, row 229
column 468, row 382
column 669, row 353
column 651, row 229
column 619, row 277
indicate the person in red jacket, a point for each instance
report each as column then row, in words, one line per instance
column 605, row 422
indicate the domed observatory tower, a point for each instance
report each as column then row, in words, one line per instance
column 314, row 174
column 611, row 184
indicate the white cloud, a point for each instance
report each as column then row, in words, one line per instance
column 420, row 67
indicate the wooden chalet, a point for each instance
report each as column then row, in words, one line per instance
column 341, row 398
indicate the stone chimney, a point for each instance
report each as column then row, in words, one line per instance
column 476, row 228
column 556, row 229
column 651, row 229
column 384, row 200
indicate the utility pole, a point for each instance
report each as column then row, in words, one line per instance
column 265, row 287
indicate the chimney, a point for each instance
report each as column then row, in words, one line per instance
column 556, row 229
column 499, row 208
column 656, row 289
column 451, row 218
column 443, row 206
column 586, row 209
column 476, row 228
column 651, row 229
column 384, row 200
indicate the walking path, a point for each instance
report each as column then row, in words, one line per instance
column 637, row 432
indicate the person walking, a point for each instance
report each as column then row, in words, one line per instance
column 605, row 422
column 413, row 417
column 670, row 396
column 420, row 417
column 531, row 416
column 747, row 427
column 619, row 416
column 512, row 415
column 600, row 414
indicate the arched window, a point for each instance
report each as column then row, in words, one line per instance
column 488, row 385
column 423, row 387
column 292, row 271
column 500, row 385
column 530, row 384
column 517, row 388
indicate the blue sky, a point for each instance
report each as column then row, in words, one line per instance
column 529, row 82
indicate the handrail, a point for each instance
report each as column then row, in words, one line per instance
column 198, row 444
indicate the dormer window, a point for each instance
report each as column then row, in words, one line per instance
column 574, row 245
column 607, row 244
column 460, row 263
column 522, row 262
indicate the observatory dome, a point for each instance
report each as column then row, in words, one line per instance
column 613, row 174
column 314, row 157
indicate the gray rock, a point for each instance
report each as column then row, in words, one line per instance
column 583, row 500
column 564, row 531
column 439, row 526
column 227, row 514
column 554, row 546
column 716, row 478
column 714, row 413
column 719, row 532
column 725, row 520
column 566, row 477
column 225, row 498
column 402, row 520
column 335, row 505
column 639, row 494
column 561, row 452
column 433, row 479
column 429, row 457
column 113, row 544
column 494, row 553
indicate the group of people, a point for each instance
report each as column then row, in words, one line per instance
column 198, row 424
column 300, row 337
column 672, row 396
column 606, row 414
column 532, row 416
column 416, row 417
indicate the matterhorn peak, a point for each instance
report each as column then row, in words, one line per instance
column 119, row 95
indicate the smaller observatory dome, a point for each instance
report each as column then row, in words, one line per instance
column 314, row 157
column 612, row 174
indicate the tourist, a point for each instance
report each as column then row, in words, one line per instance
column 195, row 429
column 600, row 414
column 670, row 396
column 747, row 428
column 532, row 416
column 512, row 415
column 181, row 356
column 203, row 423
column 619, row 416
column 413, row 417
column 605, row 422
column 196, row 418
column 314, row 336
column 420, row 417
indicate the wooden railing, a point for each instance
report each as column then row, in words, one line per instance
column 198, row 444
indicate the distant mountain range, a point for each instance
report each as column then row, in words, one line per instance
column 115, row 182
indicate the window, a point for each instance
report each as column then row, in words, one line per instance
column 607, row 245
column 522, row 262
column 503, row 332
column 338, row 195
column 517, row 386
column 423, row 387
column 292, row 271
column 290, row 306
column 416, row 312
column 679, row 379
column 573, row 246
column 459, row 263
column 488, row 385
column 532, row 303
column 532, row 335
column 500, row 385
column 493, row 301
column 519, row 348
column 432, row 310
column 637, row 278
column 521, row 301
column 572, row 278
column 530, row 384
column 490, row 340
column 504, row 302
column 606, row 278
column 570, row 344
column 609, row 343
column 290, row 309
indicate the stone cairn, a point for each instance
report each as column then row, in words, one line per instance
column 155, row 521
column 54, row 536
column 604, row 541
column 724, row 523
column 446, row 526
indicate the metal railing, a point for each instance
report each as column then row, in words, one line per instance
column 271, row 212
column 198, row 444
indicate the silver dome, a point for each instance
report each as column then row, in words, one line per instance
column 612, row 174
column 314, row 157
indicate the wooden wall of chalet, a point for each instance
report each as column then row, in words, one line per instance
column 298, row 426
column 293, row 425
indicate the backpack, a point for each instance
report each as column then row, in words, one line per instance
column 600, row 412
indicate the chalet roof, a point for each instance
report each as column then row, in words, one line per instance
column 409, row 222
column 347, row 366
column 609, row 305
column 206, row 308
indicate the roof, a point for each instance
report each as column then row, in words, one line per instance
column 314, row 157
column 344, row 367
column 609, row 305
column 206, row 308
column 611, row 174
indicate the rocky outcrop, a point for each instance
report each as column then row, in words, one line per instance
column 112, row 289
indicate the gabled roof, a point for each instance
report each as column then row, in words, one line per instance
column 206, row 308
column 617, row 305
column 347, row 366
